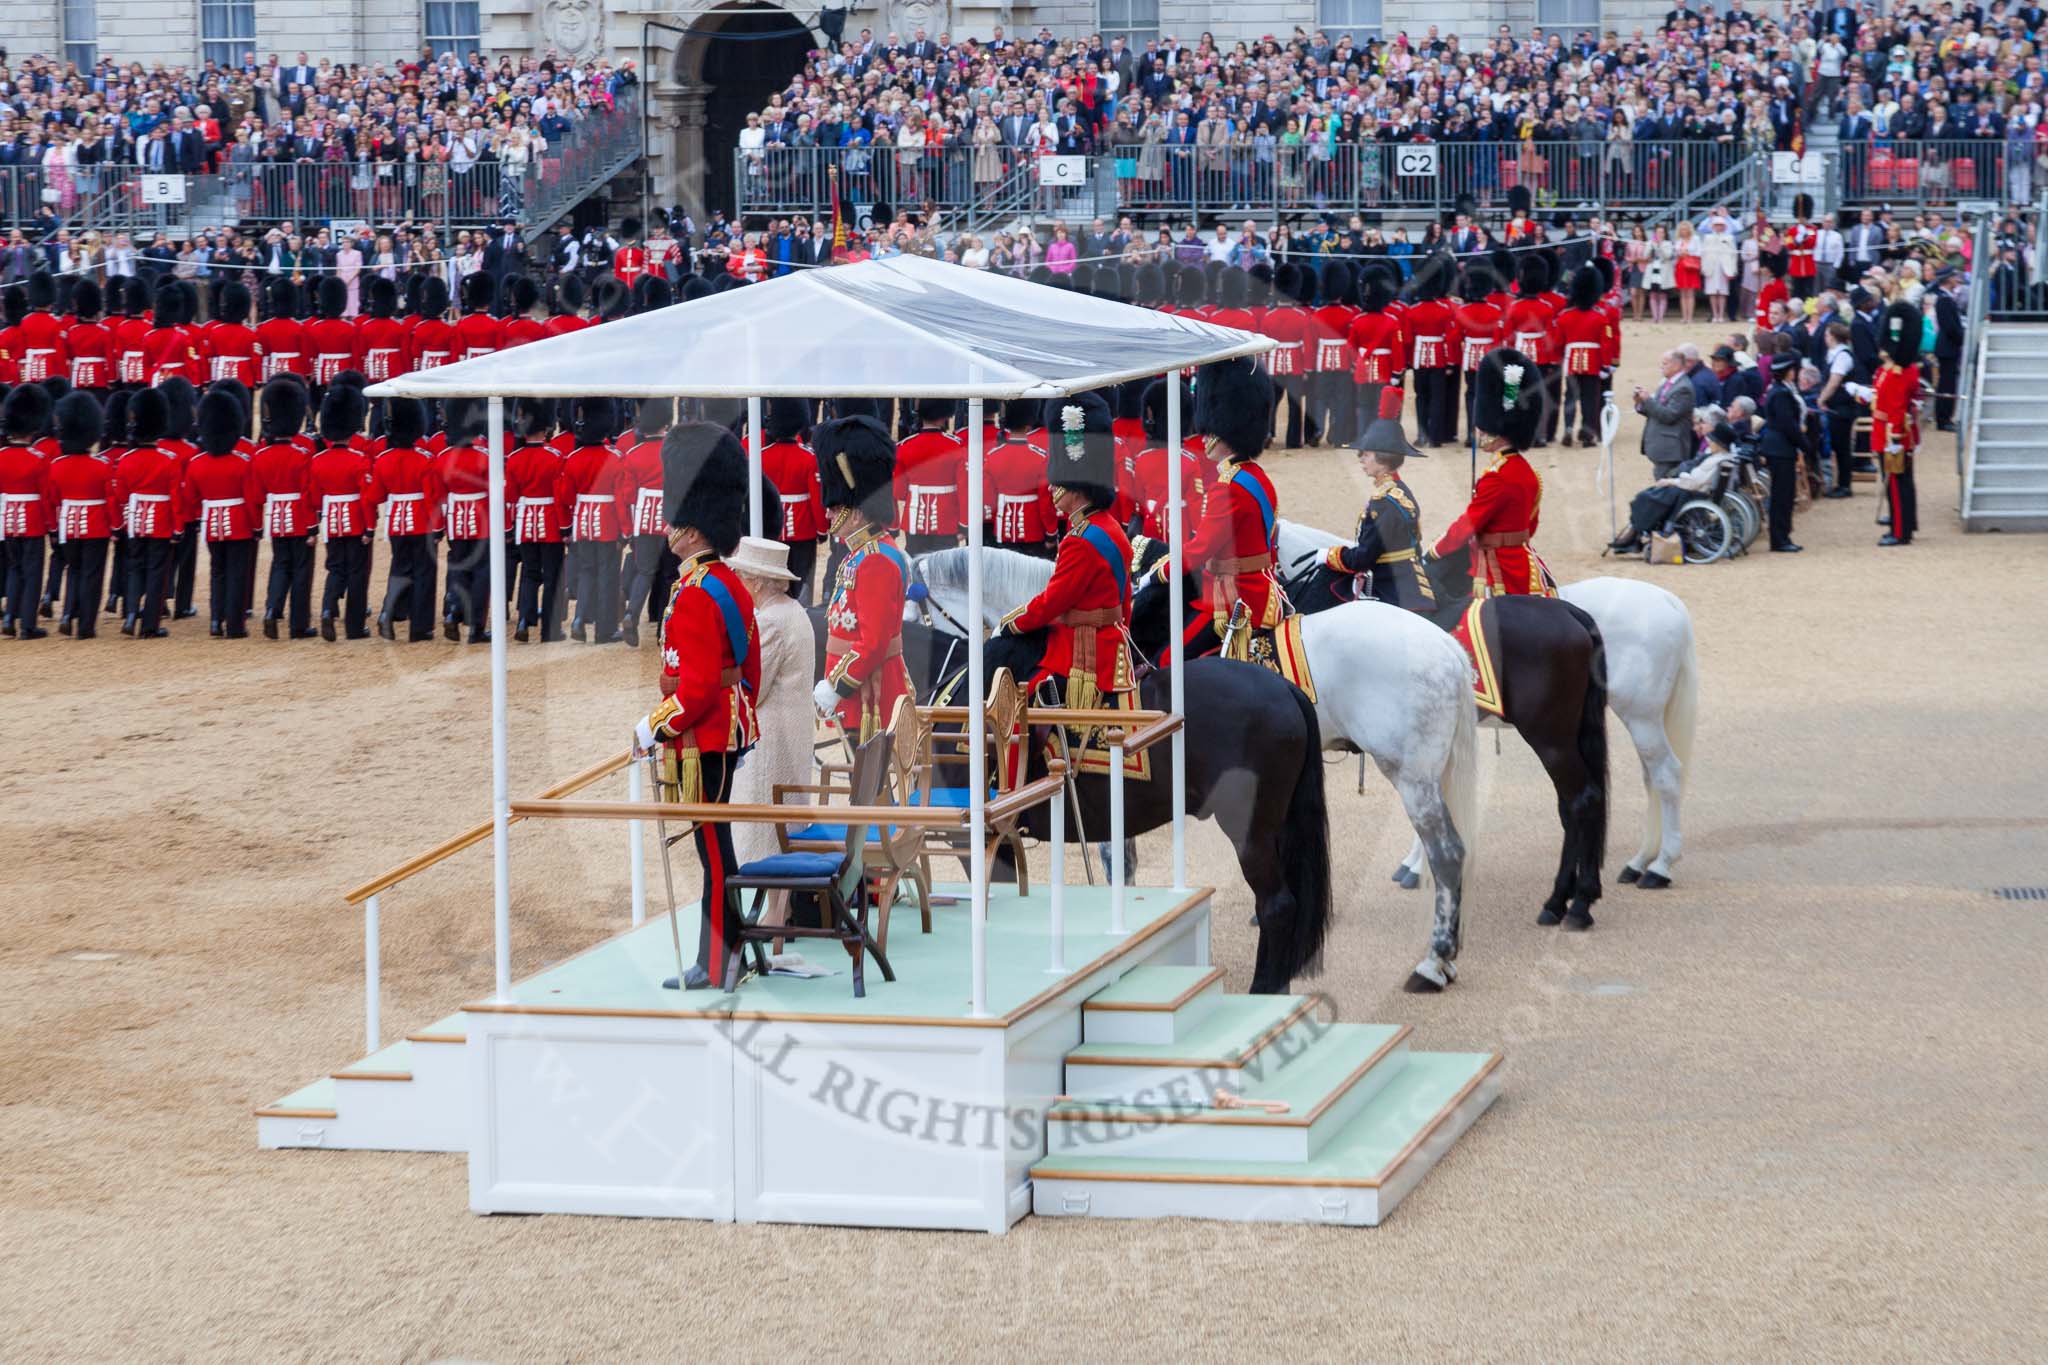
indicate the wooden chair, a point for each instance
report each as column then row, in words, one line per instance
column 838, row 880
column 1006, row 730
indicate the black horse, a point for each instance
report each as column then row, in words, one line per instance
column 1553, row 680
column 1254, row 755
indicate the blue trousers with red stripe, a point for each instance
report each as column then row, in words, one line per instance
column 718, row 937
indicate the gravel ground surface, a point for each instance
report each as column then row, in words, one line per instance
column 1792, row 1108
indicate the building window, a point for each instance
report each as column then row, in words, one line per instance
column 81, row 33
column 227, row 31
column 1359, row 18
column 1135, row 21
column 454, row 26
column 1571, row 15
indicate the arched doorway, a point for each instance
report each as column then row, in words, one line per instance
column 735, row 57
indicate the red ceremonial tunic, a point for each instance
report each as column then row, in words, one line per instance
column 1015, row 496
column 710, row 703
column 1380, row 341
column 564, row 322
column 1528, row 326
column 1149, row 474
column 173, row 351
column 1330, row 328
column 24, row 483
column 1610, row 308
column 433, row 344
column 931, row 484
column 642, row 462
column 1240, row 318
column 1233, row 545
column 1497, row 526
column 411, row 492
column 79, row 498
column 540, row 496
column 596, row 478
column 520, row 330
column 1768, row 293
column 1085, row 610
column 43, row 352
column 793, row 469
column 280, row 474
column 1288, row 325
column 343, row 487
column 282, row 344
column 380, row 348
column 10, row 362
column 1893, row 391
column 465, row 474
column 333, row 344
column 1799, row 250
column 629, row 263
column 147, row 492
column 1582, row 336
column 92, row 354
column 1478, row 327
column 864, row 633
column 234, row 353
column 1433, row 331
column 477, row 334
column 131, row 362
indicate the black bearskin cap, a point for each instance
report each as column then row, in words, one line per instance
column 477, row 292
column 1532, row 276
column 1502, row 262
column 184, row 401
column 462, row 421
column 85, row 301
column 42, row 290
column 409, row 292
column 1899, row 333
column 1475, row 282
column 1336, row 285
column 697, row 287
column 1234, row 404
column 1083, row 460
column 26, row 413
column 1522, row 200
column 139, row 296
column 629, row 228
column 1020, row 414
column 704, row 483
column 724, row 284
column 1190, row 286
column 342, row 413
column 569, row 296
column 233, row 388
column 405, row 423
column 58, row 386
column 331, row 296
column 434, row 298
column 857, row 465
column 284, row 299
column 1148, row 288
column 1434, row 276
column 114, row 298
column 1153, row 413
column 857, row 407
column 935, row 409
column 1504, row 409
column 148, row 414
column 1040, row 274
column 593, row 420
column 1235, row 290
column 654, row 416
column 532, row 418
column 170, row 304
column 234, row 302
column 220, row 423
column 1378, row 289
column 1802, row 206
column 651, row 292
column 785, row 419
column 78, row 423
column 1262, row 283
column 354, row 379
column 117, row 417
column 525, row 294
column 381, row 298
column 1604, row 268
column 609, row 298
column 1114, row 283
column 1585, row 288
column 1081, row 279
column 13, row 304
column 284, row 409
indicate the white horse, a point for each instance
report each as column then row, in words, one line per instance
column 1652, row 685
column 1388, row 683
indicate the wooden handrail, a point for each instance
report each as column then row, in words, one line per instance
column 1140, row 740
column 1024, row 797
column 478, row 833
column 927, row 817
column 1051, row 715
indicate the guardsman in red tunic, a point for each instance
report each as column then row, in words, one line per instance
column 1582, row 335
column 281, row 337
column 1233, row 545
column 280, row 471
column 1015, row 500
column 931, row 481
column 1433, row 330
column 521, row 324
column 148, row 485
column 1477, row 325
column 79, row 505
column 476, row 331
column 380, row 336
column 344, row 489
column 1379, row 337
column 595, row 478
column 43, row 352
column 1530, row 317
column 1290, row 325
column 1333, row 394
column 565, row 309
column 540, row 503
column 170, row 349
column 864, row 673
column 1502, row 263
column 1801, row 242
column 792, row 466
column 221, row 482
column 411, row 491
column 646, row 532
column 1150, row 474
column 330, row 337
column 24, row 522
column 432, row 337
column 1234, row 301
column 233, row 349
column 1894, row 418
column 131, row 333
column 1499, row 522
column 89, row 341
column 1771, row 291
column 1085, row 609
column 710, row 676
column 13, row 308
column 629, row 262
column 464, row 472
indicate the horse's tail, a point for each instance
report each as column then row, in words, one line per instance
column 1461, row 774
column 1593, row 750
column 1305, row 852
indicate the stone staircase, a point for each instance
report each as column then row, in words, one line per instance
column 2006, row 477
column 1184, row 1101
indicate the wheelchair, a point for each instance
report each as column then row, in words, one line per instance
column 1722, row 522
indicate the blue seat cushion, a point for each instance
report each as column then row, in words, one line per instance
column 955, row 797
column 792, row 865
column 815, row 834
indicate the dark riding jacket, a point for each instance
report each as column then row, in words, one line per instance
column 1388, row 550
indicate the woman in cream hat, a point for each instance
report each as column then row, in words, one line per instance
column 787, row 718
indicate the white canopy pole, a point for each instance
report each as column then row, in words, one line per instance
column 1178, row 618
column 501, row 809
column 754, row 471
column 977, row 702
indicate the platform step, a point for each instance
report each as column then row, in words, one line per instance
column 1342, row 1068
column 1358, row 1177
column 1241, row 1040
column 411, row 1095
column 1151, row 1004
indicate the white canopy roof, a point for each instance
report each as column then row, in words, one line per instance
column 903, row 327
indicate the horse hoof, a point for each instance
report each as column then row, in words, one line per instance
column 1654, row 881
column 1628, row 874
column 1409, row 880
column 1418, row 984
column 1548, row 917
column 1400, row 875
column 1254, row 920
column 1578, row 921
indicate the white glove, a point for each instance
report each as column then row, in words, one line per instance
column 643, row 737
column 826, row 696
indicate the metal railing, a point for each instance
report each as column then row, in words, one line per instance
column 1901, row 172
column 775, row 181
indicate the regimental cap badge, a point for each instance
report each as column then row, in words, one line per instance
column 1510, row 385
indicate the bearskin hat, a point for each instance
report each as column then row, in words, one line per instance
column 629, row 228
column 1899, row 334
column 1802, row 206
column 78, row 423
column 25, row 415
column 697, row 287
column 405, row 423
column 1379, row 288
column 284, row 409
column 284, row 299
column 1020, row 414
column 330, row 296
column 13, row 305
column 1585, row 288
column 85, row 301
column 1604, row 267
column 1190, row 286
column 462, row 421
column 58, row 386
column 140, row 299
column 590, row 420
column 653, row 416
column 609, row 298
column 1522, row 200
column 1148, row 286
column 857, row 465
column 524, row 294
column 1434, row 276
column 1507, row 397
column 1532, row 275
column 1081, row 279
column 1336, row 283
column 170, row 305
column 42, row 290
column 233, row 304
column 1234, row 404
column 233, row 388
column 1152, row 411
column 1080, row 446
column 651, row 292
column 114, row 299
column 1475, row 282
column 478, row 292
column 569, row 296
column 380, row 299
column 1262, row 283
column 342, row 413
column 704, row 483
column 1115, row 282
column 220, row 423
column 785, row 419
column 1502, row 262
column 184, row 402
column 1041, row 274
column 935, row 409
column 148, row 415
column 352, row 379
column 724, row 284
column 434, row 298
column 532, row 418
column 1234, row 290
column 117, row 416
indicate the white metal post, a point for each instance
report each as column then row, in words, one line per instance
column 1178, row 618
column 501, row 783
column 1116, row 833
column 754, row 509
column 373, row 951
column 977, row 739
column 636, row 846
column 1057, row 887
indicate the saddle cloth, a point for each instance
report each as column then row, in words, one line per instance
column 1478, row 632
column 1280, row 649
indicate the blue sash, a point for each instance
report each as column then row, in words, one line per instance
column 894, row 556
column 735, row 624
column 1101, row 542
column 1250, row 487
